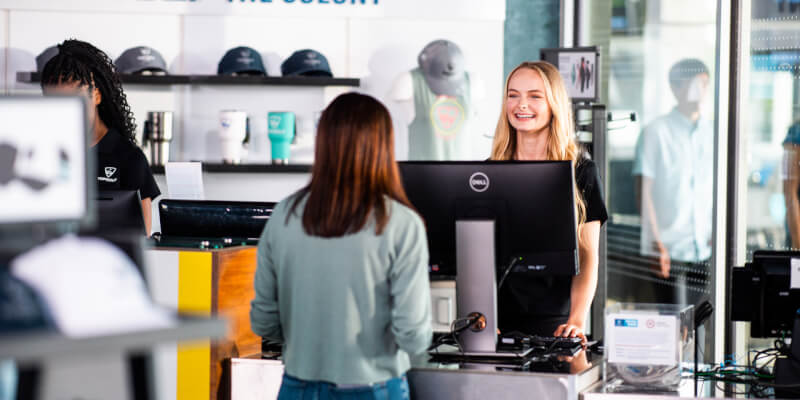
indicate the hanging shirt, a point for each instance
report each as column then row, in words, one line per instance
column 439, row 128
column 121, row 165
column 678, row 156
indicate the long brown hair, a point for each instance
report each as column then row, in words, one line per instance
column 562, row 143
column 354, row 169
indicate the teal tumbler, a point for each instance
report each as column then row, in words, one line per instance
column 281, row 129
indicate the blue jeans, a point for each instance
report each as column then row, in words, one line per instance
column 298, row 389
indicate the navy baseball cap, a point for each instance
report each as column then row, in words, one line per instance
column 141, row 60
column 241, row 61
column 47, row 54
column 307, row 63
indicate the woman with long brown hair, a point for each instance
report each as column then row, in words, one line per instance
column 536, row 123
column 342, row 277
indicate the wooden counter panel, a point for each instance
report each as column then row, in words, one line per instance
column 233, row 274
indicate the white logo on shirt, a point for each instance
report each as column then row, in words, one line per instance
column 109, row 172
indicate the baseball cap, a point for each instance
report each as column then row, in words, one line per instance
column 242, row 61
column 307, row 63
column 141, row 60
column 45, row 56
column 442, row 65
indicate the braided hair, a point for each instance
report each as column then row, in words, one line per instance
column 81, row 62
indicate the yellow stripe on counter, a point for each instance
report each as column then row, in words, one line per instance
column 194, row 296
column 194, row 282
column 194, row 370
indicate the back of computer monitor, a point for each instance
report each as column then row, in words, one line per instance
column 119, row 210
column 481, row 215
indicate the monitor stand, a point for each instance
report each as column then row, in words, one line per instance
column 476, row 290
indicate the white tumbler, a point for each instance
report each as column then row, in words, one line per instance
column 232, row 131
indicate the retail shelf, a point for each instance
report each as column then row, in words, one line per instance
column 35, row 77
column 247, row 168
column 30, row 346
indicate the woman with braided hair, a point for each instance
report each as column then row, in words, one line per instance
column 80, row 68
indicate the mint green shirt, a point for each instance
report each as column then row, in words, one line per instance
column 349, row 310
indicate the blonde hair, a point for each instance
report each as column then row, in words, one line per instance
column 561, row 140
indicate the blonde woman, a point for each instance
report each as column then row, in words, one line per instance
column 536, row 124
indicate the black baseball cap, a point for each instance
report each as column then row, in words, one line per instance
column 42, row 59
column 306, row 63
column 241, row 60
column 141, row 60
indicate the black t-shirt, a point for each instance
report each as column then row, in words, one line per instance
column 121, row 165
column 534, row 304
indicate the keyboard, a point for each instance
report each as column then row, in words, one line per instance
column 540, row 344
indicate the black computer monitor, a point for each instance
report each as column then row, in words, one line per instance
column 119, row 210
column 763, row 292
column 214, row 219
column 531, row 203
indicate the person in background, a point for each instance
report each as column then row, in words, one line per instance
column 342, row 275
column 536, row 124
column 80, row 68
column 673, row 170
column 791, row 185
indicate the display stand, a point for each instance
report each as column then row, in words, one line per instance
column 95, row 367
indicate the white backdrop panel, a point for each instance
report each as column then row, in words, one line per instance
column 448, row 9
column 206, row 38
column 381, row 50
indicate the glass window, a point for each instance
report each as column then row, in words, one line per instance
column 660, row 90
column 770, row 139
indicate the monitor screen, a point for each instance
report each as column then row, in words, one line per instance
column 578, row 68
column 43, row 159
column 531, row 203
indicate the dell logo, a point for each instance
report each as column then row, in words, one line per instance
column 479, row 182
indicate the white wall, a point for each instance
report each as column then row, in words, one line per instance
column 376, row 43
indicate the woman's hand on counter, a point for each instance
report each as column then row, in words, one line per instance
column 571, row 329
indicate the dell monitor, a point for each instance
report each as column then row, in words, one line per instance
column 531, row 202
column 484, row 219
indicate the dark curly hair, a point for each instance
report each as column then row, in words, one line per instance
column 81, row 62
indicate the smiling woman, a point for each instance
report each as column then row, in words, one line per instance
column 536, row 124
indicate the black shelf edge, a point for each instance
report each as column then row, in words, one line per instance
column 246, row 168
column 35, row 77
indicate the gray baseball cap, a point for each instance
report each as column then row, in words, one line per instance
column 141, row 60
column 442, row 65
column 42, row 59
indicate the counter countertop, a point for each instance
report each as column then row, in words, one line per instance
column 246, row 168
